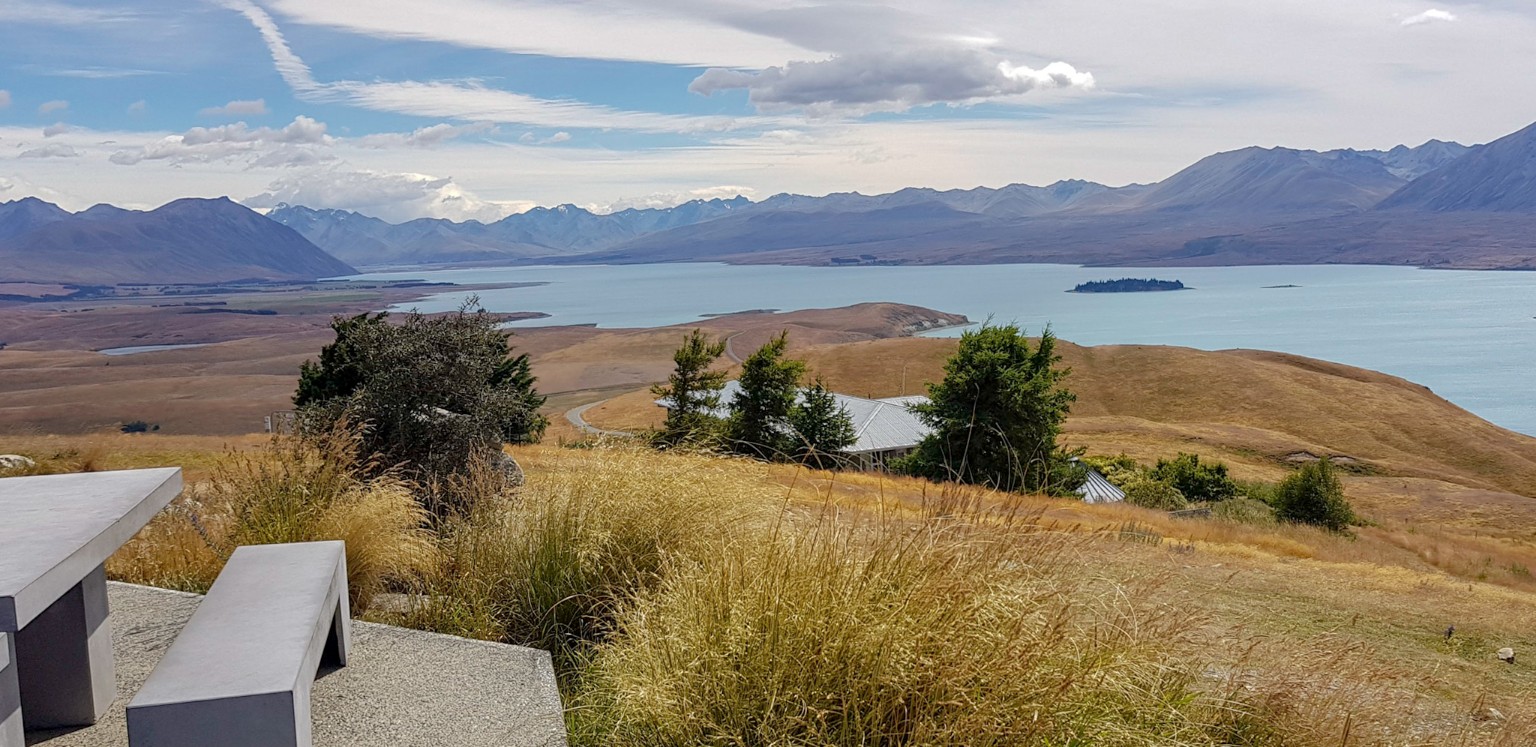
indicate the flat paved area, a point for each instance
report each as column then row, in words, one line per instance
column 401, row 687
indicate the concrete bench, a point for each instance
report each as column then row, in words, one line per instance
column 239, row 674
column 56, row 532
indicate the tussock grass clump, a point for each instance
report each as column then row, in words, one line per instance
column 941, row 632
column 549, row 567
column 294, row 490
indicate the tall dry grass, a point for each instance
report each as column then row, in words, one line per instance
column 941, row 633
column 549, row 566
column 692, row 599
column 291, row 491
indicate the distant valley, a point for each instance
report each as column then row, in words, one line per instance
column 1441, row 205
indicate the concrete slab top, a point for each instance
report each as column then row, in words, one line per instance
column 55, row 529
column 400, row 688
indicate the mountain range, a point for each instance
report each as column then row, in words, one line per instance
column 185, row 241
column 1254, row 205
column 1440, row 204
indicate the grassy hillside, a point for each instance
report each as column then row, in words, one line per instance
column 702, row 600
column 1444, row 488
column 1258, row 407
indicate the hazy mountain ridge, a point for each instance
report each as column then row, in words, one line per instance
column 1469, row 207
column 560, row 231
column 1498, row 177
column 186, row 241
column 1225, row 194
column 27, row 214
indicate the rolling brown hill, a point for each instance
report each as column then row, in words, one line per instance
column 1257, row 409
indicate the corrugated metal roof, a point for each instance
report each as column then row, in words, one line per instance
column 880, row 424
column 1097, row 489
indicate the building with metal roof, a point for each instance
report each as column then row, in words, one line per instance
column 885, row 429
column 888, row 429
column 1098, row 489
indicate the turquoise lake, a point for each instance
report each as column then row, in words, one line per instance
column 1469, row 336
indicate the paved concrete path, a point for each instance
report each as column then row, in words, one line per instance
column 730, row 352
column 401, row 688
column 577, row 418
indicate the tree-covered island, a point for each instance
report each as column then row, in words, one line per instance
column 1128, row 285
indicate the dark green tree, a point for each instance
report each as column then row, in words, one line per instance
column 339, row 372
column 1198, row 481
column 997, row 414
column 692, row 392
column 1313, row 495
column 770, row 383
column 821, row 428
column 433, row 393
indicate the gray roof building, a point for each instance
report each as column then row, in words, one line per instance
column 884, row 428
column 888, row 429
column 1098, row 489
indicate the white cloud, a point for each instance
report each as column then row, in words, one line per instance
column 1429, row 16
column 49, row 107
column 425, row 137
column 5, row 98
column 664, row 31
column 52, row 150
column 890, row 81
column 529, row 138
column 41, row 12
column 394, row 197
column 661, row 200
column 292, row 69
column 92, row 73
column 55, row 129
column 15, row 188
column 138, row 107
column 237, row 108
column 262, row 146
column 471, row 101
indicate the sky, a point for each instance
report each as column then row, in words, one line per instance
column 476, row 109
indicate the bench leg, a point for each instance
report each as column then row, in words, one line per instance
column 338, row 643
column 10, row 695
column 64, row 660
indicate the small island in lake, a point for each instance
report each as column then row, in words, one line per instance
column 1128, row 285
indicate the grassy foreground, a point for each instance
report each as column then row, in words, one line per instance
column 699, row 600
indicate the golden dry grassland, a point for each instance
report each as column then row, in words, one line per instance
column 695, row 599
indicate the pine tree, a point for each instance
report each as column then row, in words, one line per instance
column 997, row 414
column 693, row 392
column 770, row 383
column 822, row 428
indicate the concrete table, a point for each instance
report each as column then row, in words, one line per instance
column 56, row 533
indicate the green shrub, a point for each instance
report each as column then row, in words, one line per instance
column 1120, row 470
column 1244, row 511
column 1199, row 482
column 1155, row 494
column 1257, row 490
column 1313, row 495
column 436, row 394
